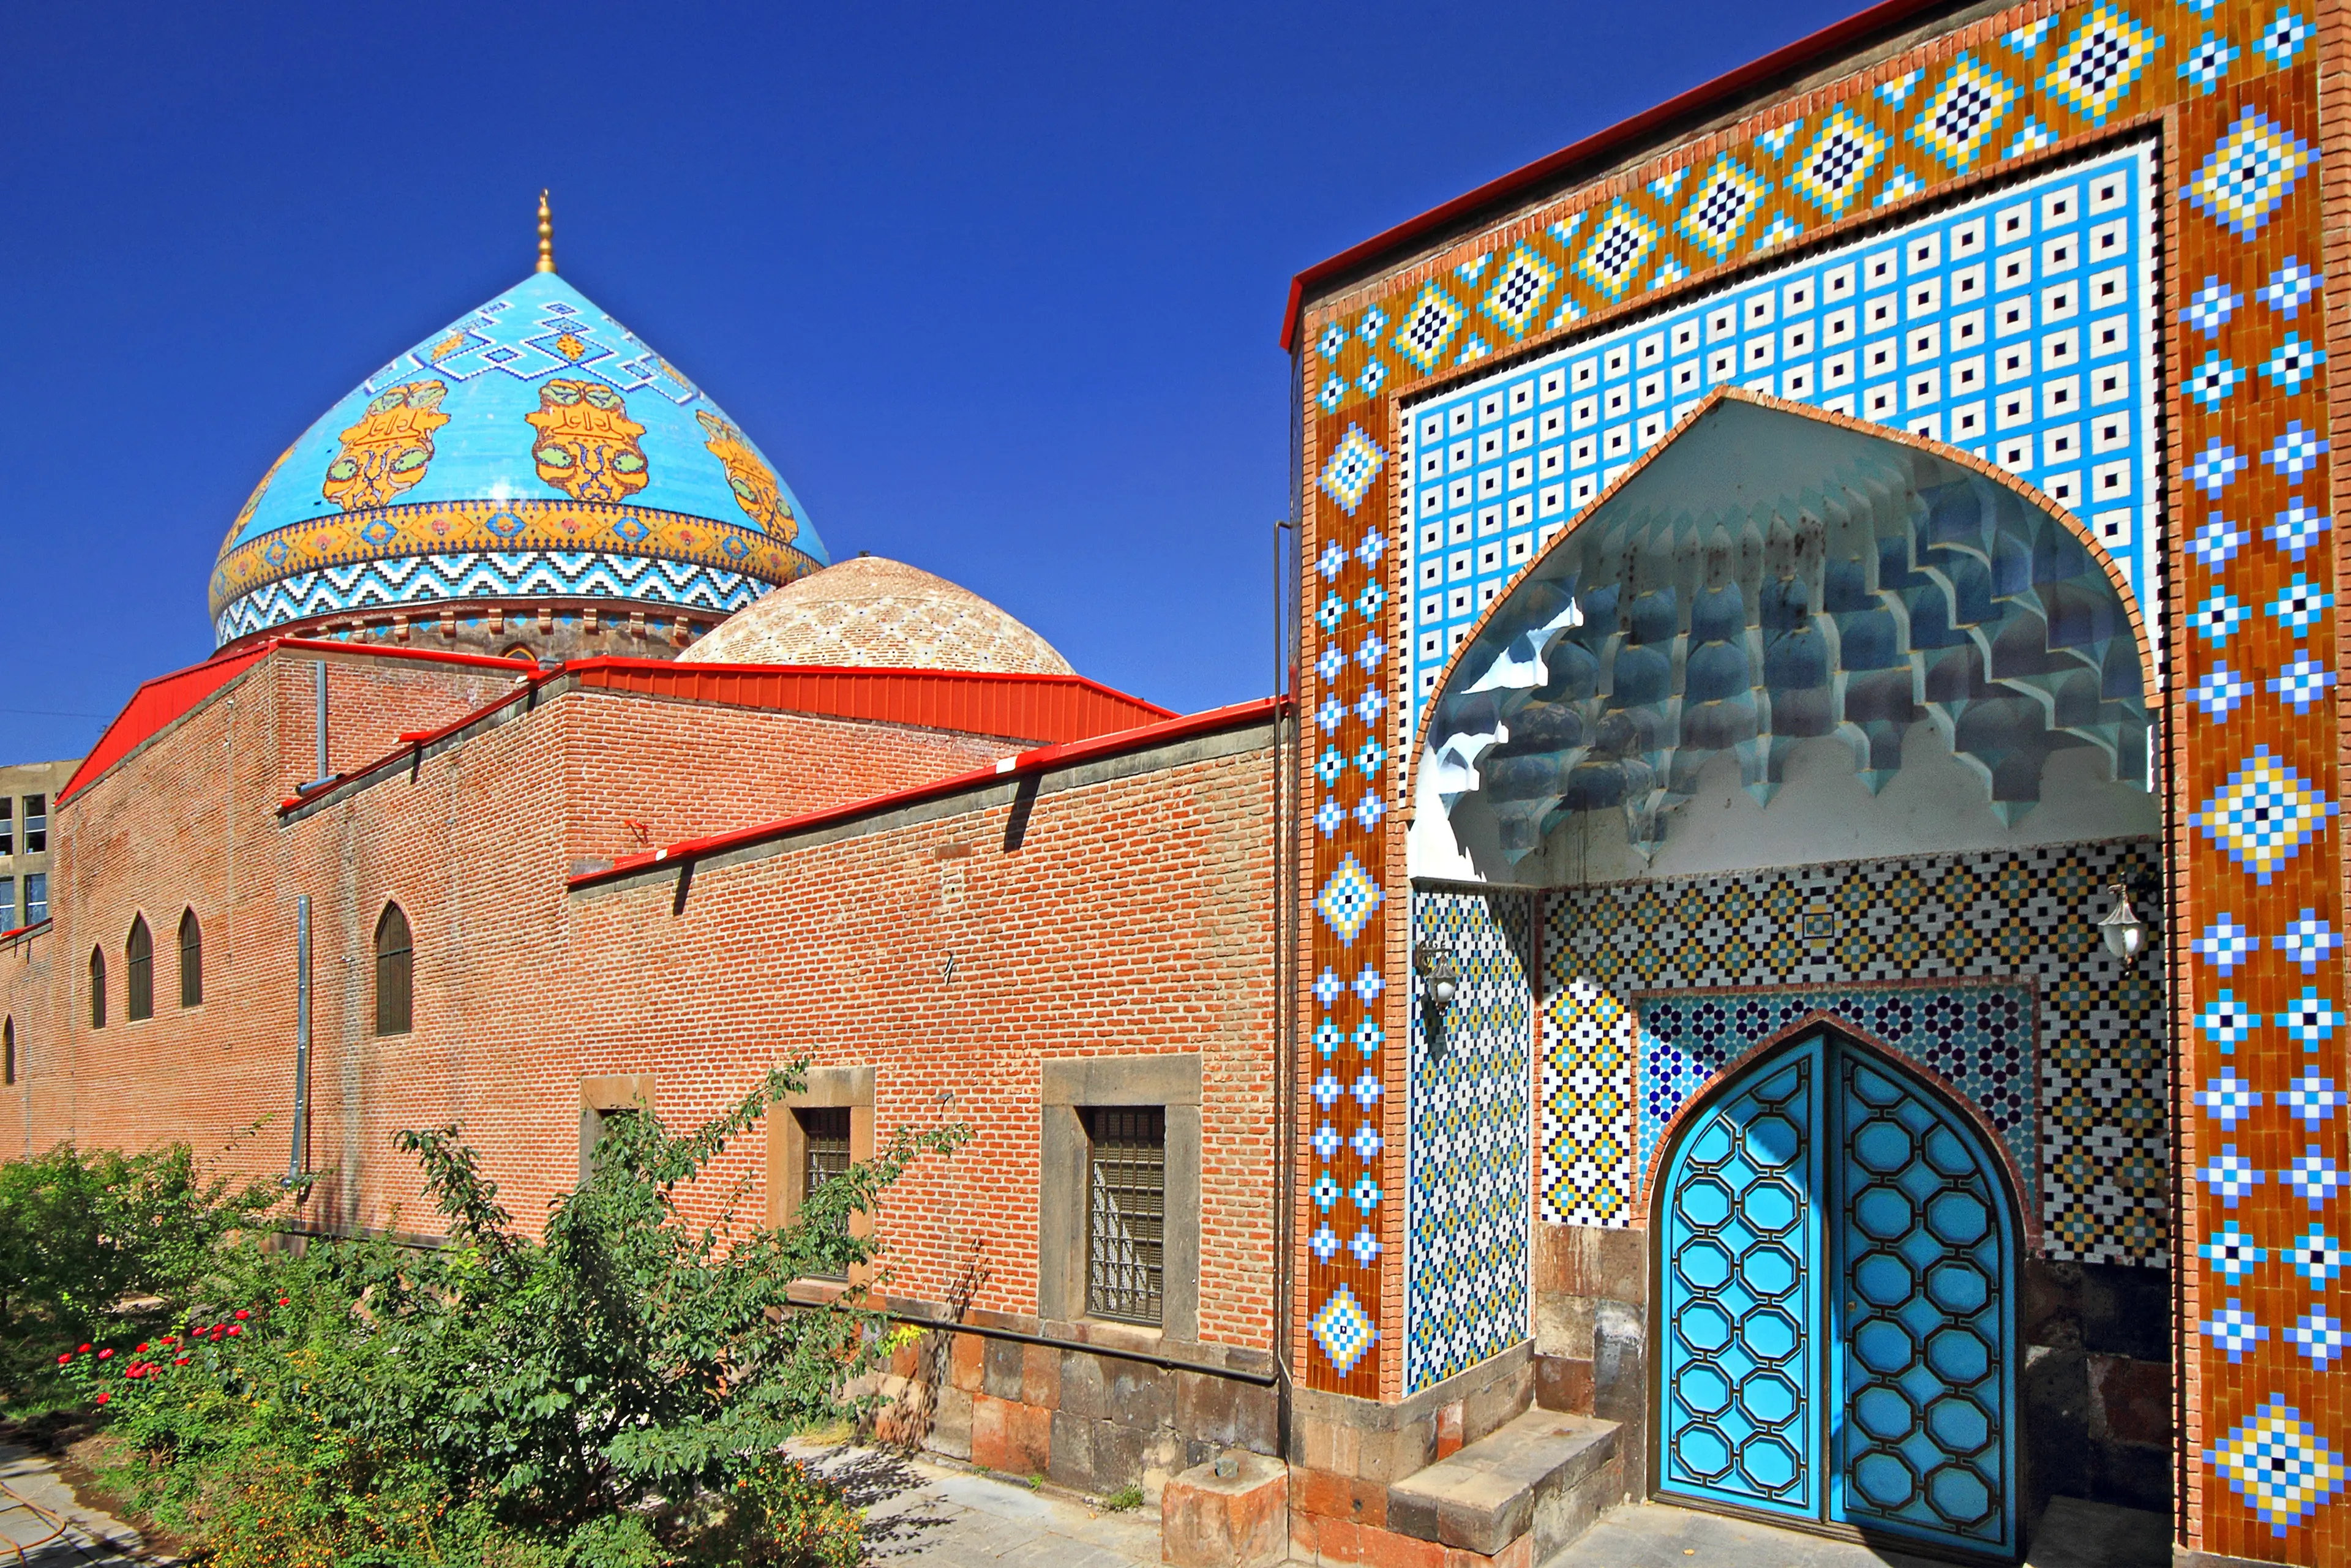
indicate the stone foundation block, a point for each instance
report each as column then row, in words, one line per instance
column 1240, row 1521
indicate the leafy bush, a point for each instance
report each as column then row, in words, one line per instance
column 612, row 1393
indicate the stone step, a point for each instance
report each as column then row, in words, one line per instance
column 1545, row 1475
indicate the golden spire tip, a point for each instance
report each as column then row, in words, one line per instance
column 546, row 236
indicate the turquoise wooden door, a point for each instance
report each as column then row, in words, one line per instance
column 1836, row 1305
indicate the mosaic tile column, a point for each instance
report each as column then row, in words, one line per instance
column 2255, row 788
column 1348, row 1228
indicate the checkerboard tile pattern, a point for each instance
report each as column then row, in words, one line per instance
column 2004, row 989
column 1468, row 1243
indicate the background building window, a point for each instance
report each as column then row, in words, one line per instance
column 9, row 1051
column 394, row 972
column 36, row 898
column 140, row 953
column 7, row 826
column 1126, row 1212
column 97, row 987
column 191, row 960
column 824, row 1145
column 36, row 823
column 8, row 904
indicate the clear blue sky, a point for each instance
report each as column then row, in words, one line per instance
column 998, row 289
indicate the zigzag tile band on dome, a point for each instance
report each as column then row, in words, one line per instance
column 533, row 448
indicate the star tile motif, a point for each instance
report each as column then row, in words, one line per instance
column 2252, row 171
column 2212, row 307
column 2289, row 287
column 2219, row 613
column 2217, row 541
column 2312, row 1099
column 2214, row 379
column 1517, row 293
column 2309, row 1017
column 1347, row 900
column 2308, row 940
column 2296, row 451
column 1725, row 201
column 2264, row 814
column 2208, row 62
column 2228, row 1175
column 2298, row 604
column 1839, row 159
column 1619, row 246
column 2293, row 362
column 2225, row 943
column 2228, row 1022
column 2313, row 1175
column 2233, row 1329
column 2232, row 1253
column 2298, row 527
column 2285, row 34
column 1964, row 111
column 1355, row 464
column 1428, row 326
column 2217, row 466
column 2228, row 1099
column 2301, row 683
column 2316, row 1256
column 2279, row 1464
column 1344, row 1330
column 2101, row 62
column 2317, row 1335
column 2220, row 692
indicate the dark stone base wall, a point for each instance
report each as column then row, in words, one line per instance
column 2095, row 1388
column 1090, row 1422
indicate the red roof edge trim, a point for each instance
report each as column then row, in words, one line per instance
column 14, row 931
column 1729, row 88
column 159, row 702
column 603, row 661
column 415, row 740
column 1033, row 761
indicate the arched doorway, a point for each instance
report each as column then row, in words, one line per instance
column 1837, row 1247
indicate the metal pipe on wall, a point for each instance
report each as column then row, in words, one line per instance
column 295, row 1162
column 319, row 675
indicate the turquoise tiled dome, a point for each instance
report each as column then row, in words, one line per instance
column 534, row 450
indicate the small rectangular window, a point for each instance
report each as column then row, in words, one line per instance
column 824, row 1154
column 8, row 904
column 36, row 824
column 1126, row 1212
column 7, row 826
column 36, row 898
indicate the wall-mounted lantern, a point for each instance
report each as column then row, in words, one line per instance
column 2124, row 932
column 1440, row 981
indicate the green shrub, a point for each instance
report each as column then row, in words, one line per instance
column 612, row 1393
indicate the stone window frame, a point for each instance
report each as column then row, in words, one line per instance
column 1066, row 1087
column 602, row 1095
column 828, row 1089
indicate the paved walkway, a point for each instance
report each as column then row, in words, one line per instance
column 41, row 1525
column 2071, row 1534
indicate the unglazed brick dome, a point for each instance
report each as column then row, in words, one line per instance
column 532, row 460
column 868, row 611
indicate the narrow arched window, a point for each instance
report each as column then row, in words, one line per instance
column 8, row 1051
column 394, row 972
column 97, row 987
column 192, row 959
column 139, row 953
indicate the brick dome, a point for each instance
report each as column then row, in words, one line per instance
column 868, row 611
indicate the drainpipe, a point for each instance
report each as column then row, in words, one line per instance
column 319, row 675
column 295, row 1162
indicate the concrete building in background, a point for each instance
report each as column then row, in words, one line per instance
column 27, row 790
column 1784, row 955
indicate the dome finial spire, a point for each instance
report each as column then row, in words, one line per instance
column 546, row 236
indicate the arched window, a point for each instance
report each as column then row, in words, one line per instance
column 97, row 987
column 192, row 959
column 8, row 1051
column 394, row 972
column 140, row 955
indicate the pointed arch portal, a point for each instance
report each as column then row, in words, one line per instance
column 1836, row 1305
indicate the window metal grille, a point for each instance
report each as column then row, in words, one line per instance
column 1126, row 1212
column 824, row 1154
column 141, row 952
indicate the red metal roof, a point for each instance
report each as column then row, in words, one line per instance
column 160, row 703
column 1031, row 761
column 1699, row 104
column 1024, row 706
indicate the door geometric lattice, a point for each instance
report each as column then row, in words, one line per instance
column 1837, row 1304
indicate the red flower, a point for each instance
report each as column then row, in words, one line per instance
column 242, row 1314
column 67, row 1357
column 235, row 1331
column 103, row 1397
column 104, row 1354
column 182, row 1361
column 143, row 1347
column 285, row 1300
column 83, row 1351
